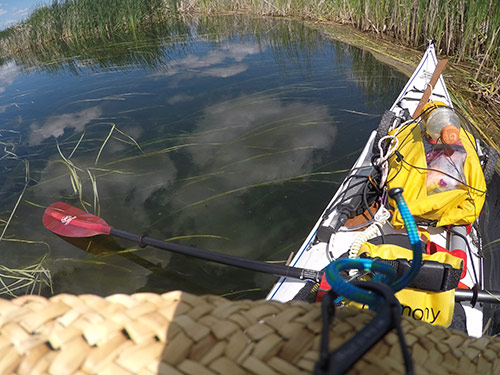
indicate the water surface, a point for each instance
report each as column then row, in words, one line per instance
column 227, row 134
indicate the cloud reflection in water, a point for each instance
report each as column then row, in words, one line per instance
column 193, row 66
column 260, row 141
column 8, row 73
column 56, row 125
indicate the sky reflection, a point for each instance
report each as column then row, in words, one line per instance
column 234, row 146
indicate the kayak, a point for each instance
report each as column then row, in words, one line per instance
column 360, row 219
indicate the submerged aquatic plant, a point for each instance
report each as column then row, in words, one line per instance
column 26, row 280
column 15, row 281
column 27, row 181
column 76, row 180
column 114, row 128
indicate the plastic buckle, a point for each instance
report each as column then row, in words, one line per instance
column 431, row 276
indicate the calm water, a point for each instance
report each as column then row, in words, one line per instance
column 231, row 134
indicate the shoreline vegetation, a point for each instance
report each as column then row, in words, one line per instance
column 465, row 30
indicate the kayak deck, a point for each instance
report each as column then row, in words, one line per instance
column 316, row 253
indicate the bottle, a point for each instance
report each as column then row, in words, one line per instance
column 443, row 125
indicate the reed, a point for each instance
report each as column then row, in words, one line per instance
column 463, row 28
column 468, row 30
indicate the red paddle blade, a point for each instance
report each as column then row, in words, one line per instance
column 69, row 221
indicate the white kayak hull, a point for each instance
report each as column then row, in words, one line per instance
column 316, row 255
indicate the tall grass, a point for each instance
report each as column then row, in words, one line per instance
column 79, row 19
column 464, row 28
column 468, row 30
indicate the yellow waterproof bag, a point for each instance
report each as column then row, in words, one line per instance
column 408, row 169
column 434, row 307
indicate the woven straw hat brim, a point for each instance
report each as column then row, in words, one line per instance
column 179, row 333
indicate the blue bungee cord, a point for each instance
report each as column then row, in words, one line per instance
column 382, row 272
column 416, row 244
column 378, row 294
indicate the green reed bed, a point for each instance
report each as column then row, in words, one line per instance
column 83, row 18
column 466, row 30
column 463, row 28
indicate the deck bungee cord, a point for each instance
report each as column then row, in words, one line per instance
column 401, row 158
column 418, row 122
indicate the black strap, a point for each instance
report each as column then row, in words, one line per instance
column 307, row 293
column 433, row 276
column 474, row 295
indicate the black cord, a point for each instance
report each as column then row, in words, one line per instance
column 382, row 234
column 437, row 170
column 388, row 317
column 479, row 239
column 393, row 177
column 365, row 200
column 404, row 349
column 399, row 157
column 334, row 204
column 327, row 315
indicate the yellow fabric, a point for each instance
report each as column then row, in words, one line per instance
column 392, row 252
column 431, row 307
column 432, row 104
column 458, row 207
column 435, row 308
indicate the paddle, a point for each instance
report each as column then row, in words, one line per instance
column 428, row 90
column 104, row 244
column 66, row 220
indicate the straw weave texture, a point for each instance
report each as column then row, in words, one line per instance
column 178, row 333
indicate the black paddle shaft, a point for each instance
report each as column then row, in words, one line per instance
column 230, row 260
column 461, row 295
